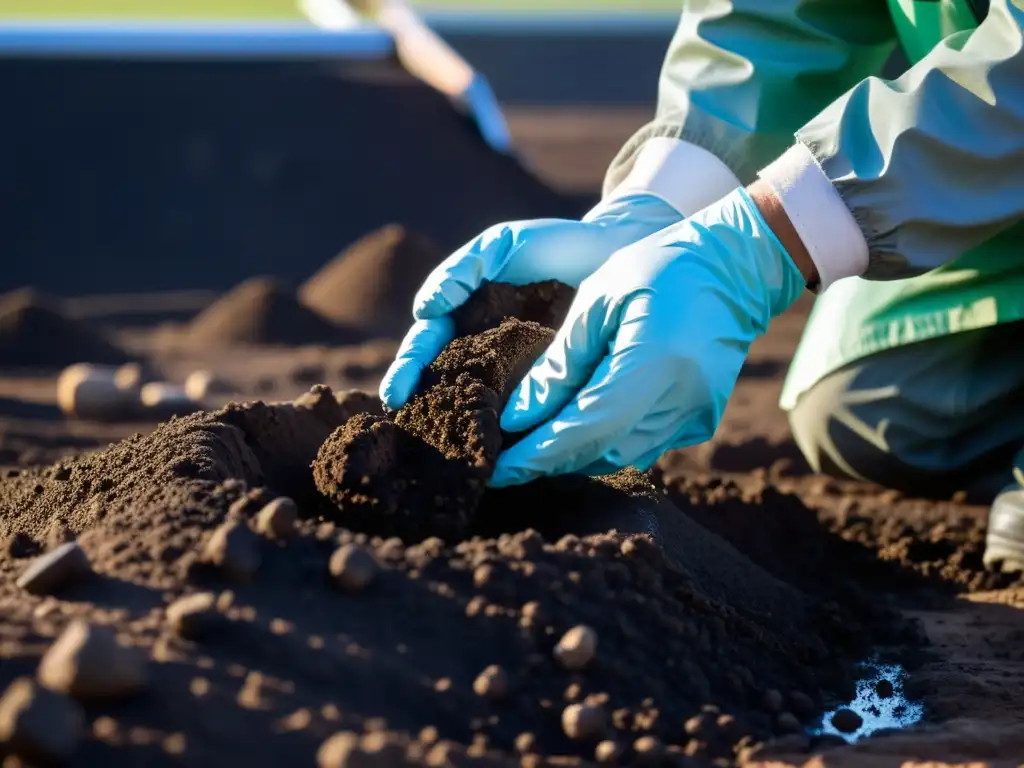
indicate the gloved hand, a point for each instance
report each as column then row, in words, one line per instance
column 519, row 252
column 652, row 347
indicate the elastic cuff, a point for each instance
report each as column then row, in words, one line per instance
column 687, row 177
column 826, row 226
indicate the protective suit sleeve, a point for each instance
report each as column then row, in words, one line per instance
column 928, row 165
column 742, row 75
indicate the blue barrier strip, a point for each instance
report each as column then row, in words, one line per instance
column 191, row 41
column 564, row 23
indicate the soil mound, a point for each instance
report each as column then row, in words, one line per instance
column 371, row 284
column 262, row 311
column 34, row 334
column 325, row 639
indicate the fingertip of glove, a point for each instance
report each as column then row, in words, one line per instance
column 398, row 384
column 505, row 476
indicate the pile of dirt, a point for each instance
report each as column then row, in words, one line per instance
column 33, row 333
column 263, row 311
column 855, row 541
column 656, row 642
column 371, row 284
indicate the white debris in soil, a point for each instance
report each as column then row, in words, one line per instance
column 878, row 712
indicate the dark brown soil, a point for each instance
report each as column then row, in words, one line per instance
column 690, row 633
column 371, row 284
column 263, row 311
column 33, row 334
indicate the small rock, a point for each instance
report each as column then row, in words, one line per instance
column 802, row 705
column 203, row 384
column 161, row 399
column 582, row 722
column 772, row 700
column 130, row 377
column 492, row 683
column 609, row 752
column 577, row 647
column 87, row 662
column 39, row 726
column 235, row 550
column 338, row 750
column 65, row 565
column 787, row 722
column 194, row 616
column 649, row 750
column 847, row 721
column 884, row 689
column 277, row 519
column 526, row 743
column 88, row 391
column 353, row 567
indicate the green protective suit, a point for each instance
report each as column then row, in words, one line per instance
column 931, row 164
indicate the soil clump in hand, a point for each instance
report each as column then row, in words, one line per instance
column 34, row 334
column 263, row 311
column 424, row 470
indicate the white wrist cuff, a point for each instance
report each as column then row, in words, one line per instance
column 687, row 177
column 826, row 226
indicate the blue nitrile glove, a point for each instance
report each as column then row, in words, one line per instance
column 519, row 252
column 652, row 346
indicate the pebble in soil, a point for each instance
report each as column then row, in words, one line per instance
column 688, row 634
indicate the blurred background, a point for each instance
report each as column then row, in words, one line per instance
column 185, row 145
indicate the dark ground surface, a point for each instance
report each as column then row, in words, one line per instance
column 734, row 601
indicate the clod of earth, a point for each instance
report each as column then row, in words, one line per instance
column 277, row 519
column 194, row 616
column 64, row 566
column 88, row 662
column 39, row 726
column 235, row 550
column 577, row 648
column 353, row 568
column 492, row 683
column 847, row 721
column 583, row 722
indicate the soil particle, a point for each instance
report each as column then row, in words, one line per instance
column 371, row 284
column 648, row 750
column 772, row 701
column 277, row 519
column 262, row 311
column 194, row 616
column 577, row 648
column 67, row 564
column 88, row 662
column 582, row 722
column 34, row 334
column 884, row 689
column 492, row 683
column 39, row 726
column 609, row 752
column 235, row 550
column 787, row 722
column 353, row 568
column 847, row 721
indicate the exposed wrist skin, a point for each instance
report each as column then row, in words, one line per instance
column 770, row 206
